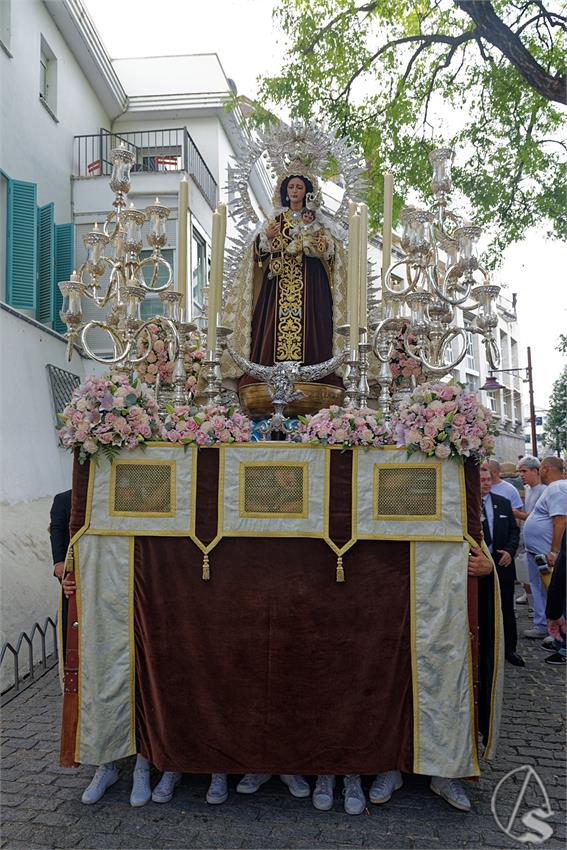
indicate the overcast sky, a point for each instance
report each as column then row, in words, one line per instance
column 242, row 34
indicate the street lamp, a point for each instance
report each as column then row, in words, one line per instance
column 492, row 384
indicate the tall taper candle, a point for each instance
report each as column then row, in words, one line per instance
column 187, row 302
column 353, row 275
column 387, row 231
column 222, row 210
column 214, row 277
column 363, row 267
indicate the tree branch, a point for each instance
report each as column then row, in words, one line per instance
column 495, row 31
column 427, row 41
column 367, row 7
column 520, row 170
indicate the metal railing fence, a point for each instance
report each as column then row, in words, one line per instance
column 155, row 150
column 34, row 669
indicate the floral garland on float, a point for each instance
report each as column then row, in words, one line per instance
column 108, row 414
column 444, row 420
column 344, row 427
column 205, row 426
column 158, row 362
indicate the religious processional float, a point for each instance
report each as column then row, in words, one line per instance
column 315, row 396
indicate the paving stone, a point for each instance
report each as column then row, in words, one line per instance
column 42, row 808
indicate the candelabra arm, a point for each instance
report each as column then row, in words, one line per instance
column 446, row 339
column 155, row 261
column 121, row 350
column 378, row 343
column 491, row 346
column 454, row 302
column 388, row 277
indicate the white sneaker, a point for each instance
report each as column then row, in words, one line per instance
column 218, row 789
column 141, row 791
column 250, row 783
column 323, row 794
column 164, row 790
column 548, row 643
column 298, row 786
column 452, row 791
column 384, row 786
column 522, row 600
column 355, row 801
column 105, row 776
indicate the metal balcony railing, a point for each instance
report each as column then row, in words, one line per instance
column 31, row 669
column 155, row 150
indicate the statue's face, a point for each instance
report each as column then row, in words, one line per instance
column 296, row 190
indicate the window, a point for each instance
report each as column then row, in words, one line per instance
column 470, row 361
column 48, row 78
column 491, row 399
column 472, row 383
column 505, row 350
column 199, row 270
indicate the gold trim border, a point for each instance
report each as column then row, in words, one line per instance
column 414, row 665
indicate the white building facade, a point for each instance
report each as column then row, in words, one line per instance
column 64, row 106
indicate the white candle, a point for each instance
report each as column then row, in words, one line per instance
column 387, row 231
column 363, row 268
column 186, row 302
column 353, row 275
column 222, row 210
column 213, row 283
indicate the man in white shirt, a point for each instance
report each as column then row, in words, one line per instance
column 543, row 531
column 503, row 488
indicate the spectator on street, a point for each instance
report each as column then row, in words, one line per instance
column 503, row 488
column 501, row 535
column 543, row 531
column 528, row 469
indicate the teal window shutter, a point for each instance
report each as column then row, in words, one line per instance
column 21, row 245
column 45, row 263
column 152, row 305
column 64, row 264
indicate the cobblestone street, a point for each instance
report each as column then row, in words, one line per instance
column 41, row 805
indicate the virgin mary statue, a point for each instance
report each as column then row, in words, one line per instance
column 288, row 296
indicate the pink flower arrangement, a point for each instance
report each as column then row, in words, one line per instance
column 401, row 365
column 339, row 426
column 158, row 362
column 205, row 426
column 108, row 413
column 444, row 420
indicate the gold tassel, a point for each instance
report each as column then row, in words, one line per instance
column 340, row 571
column 206, row 574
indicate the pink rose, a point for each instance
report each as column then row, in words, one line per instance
column 442, row 450
column 426, row 444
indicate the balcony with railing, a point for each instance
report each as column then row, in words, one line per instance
column 155, row 151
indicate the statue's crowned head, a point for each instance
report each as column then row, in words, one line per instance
column 284, row 198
